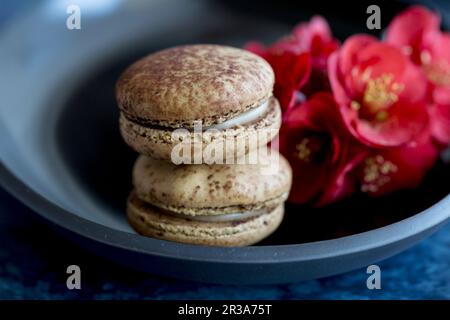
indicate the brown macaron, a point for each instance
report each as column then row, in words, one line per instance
column 222, row 92
column 218, row 205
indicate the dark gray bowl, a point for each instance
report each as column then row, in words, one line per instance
column 62, row 155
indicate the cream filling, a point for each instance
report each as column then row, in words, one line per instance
column 246, row 117
column 221, row 217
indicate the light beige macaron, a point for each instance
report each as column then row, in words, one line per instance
column 222, row 92
column 217, row 205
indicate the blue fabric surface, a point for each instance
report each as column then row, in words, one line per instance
column 33, row 262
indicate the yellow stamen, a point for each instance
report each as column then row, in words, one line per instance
column 381, row 116
column 380, row 94
column 377, row 173
column 366, row 74
column 425, row 57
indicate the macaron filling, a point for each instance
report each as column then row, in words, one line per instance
column 246, row 117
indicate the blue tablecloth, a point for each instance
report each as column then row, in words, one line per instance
column 33, row 262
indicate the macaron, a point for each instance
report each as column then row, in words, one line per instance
column 221, row 92
column 216, row 205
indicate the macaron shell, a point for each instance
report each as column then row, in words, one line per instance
column 213, row 189
column 183, row 84
column 148, row 221
column 158, row 143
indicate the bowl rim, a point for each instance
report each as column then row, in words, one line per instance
column 437, row 214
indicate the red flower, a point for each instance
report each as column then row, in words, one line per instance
column 316, row 38
column 435, row 62
column 370, row 114
column 416, row 31
column 381, row 95
column 391, row 169
column 320, row 151
column 299, row 61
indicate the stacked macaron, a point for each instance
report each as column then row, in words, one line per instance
column 201, row 117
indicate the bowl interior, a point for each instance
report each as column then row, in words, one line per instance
column 63, row 137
